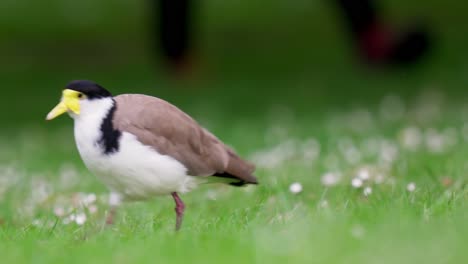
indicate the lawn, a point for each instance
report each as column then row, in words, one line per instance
column 356, row 165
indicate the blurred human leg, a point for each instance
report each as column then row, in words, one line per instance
column 375, row 39
column 173, row 27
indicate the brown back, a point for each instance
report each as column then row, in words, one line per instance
column 170, row 131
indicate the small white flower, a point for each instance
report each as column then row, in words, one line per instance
column 411, row 138
column 277, row 155
column 37, row 222
column 311, row 149
column 80, row 219
column 388, row 152
column 379, row 178
column 356, row 183
column 212, row 195
column 411, row 187
column 352, row 155
column 358, row 231
column 114, row 199
column 93, row 209
column 435, row 141
column 295, row 188
column 367, row 191
column 330, row 179
column 59, row 211
column 90, row 198
column 363, row 174
column 323, row 204
column 66, row 221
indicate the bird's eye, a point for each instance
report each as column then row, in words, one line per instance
column 80, row 95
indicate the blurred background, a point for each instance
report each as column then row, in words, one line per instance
column 354, row 112
column 243, row 57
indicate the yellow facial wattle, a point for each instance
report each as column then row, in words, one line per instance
column 70, row 102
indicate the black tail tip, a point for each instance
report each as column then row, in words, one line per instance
column 242, row 183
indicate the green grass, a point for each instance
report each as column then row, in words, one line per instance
column 286, row 95
column 266, row 223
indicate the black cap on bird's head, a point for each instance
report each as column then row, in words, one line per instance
column 90, row 89
column 76, row 93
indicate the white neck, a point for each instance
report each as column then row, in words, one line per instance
column 92, row 113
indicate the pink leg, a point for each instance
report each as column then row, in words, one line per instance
column 180, row 208
column 111, row 216
column 114, row 201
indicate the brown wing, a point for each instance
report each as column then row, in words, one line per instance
column 170, row 131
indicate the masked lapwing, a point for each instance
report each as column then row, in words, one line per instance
column 142, row 146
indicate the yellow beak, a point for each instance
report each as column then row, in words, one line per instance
column 60, row 109
column 69, row 102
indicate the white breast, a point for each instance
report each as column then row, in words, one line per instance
column 136, row 171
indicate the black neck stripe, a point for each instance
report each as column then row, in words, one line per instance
column 110, row 136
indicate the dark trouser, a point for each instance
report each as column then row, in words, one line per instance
column 359, row 14
column 173, row 19
column 175, row 26
column 373, row 38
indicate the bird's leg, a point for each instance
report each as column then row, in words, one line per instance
column 111, row 215
column 114, row 201
column 179, row 209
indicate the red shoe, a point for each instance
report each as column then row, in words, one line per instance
column 380, row 45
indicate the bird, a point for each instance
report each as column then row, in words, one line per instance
column 142, row 146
